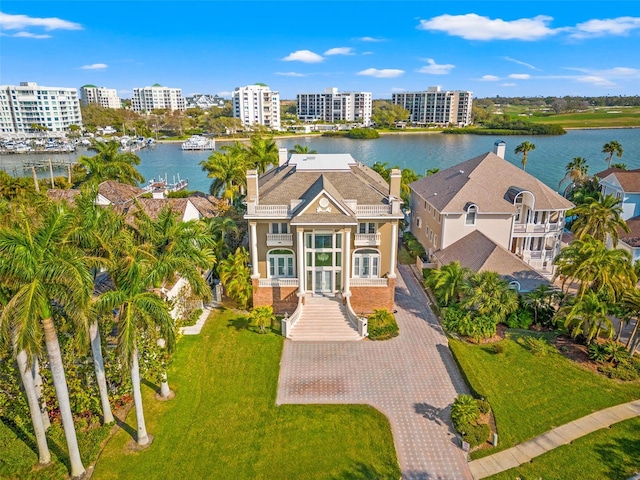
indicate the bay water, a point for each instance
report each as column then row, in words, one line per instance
column 418, row 151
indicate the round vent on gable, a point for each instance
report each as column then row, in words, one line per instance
column 324, row 203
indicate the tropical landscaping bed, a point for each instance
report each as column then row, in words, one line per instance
column 223, row 422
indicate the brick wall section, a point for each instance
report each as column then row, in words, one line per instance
column 365, row 299
column 283, row 299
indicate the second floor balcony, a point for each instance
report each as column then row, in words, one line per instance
column 367, row 239
column 279, row 239
column 525, row 228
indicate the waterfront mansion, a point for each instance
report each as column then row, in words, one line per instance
column 323, row 225
column 509, row 207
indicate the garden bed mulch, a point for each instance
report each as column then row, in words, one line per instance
column 576, row 352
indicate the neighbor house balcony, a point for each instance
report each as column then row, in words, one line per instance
column 268, row 210
column 525, row 228
column 366, row 210
column 369, row 282
column 279, row 240
column 367, row 239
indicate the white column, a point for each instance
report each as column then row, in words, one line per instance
column 394, row 248
column 254, row 250
column 300, row 254
column 346, row 262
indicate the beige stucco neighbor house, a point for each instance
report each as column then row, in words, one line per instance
column 323, row 225
column 509, row 206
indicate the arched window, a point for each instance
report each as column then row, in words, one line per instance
column 470, row 217
column 366, row 263
column 280, row 264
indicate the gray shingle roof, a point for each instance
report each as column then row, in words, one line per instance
column 479, row 253
column 484, row 181
column 118, row 193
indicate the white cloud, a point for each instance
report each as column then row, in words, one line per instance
column 490, row 78
column 398, row 90
column 290, row 74
column 367, row 53
column 371, row 39
column 94, row 66
column 609, row 26
column 434, row 69
column 615, row 72
column 474, row 27
column 340, row 51
column 508, row 84
column 384, row 73
column 18, row 22
column 31, row 35
column 520, row 76
column 305, row 56
column 519, row 62
column 595, row 80
column 225, row 94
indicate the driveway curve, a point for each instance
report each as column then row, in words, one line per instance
column 412, row 379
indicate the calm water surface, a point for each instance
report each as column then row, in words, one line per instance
column 417, row 151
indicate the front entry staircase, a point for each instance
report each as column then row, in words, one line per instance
column 324, row 319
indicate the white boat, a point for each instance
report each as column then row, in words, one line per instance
column 196, row 142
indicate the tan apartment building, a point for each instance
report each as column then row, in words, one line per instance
column 486, row 193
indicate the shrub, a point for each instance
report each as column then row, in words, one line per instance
column 363, row 133
column 465, row 323
column 597, row 353
column 498, row 348
column 616, row 352
column 414, row 246
column 484, row 406
column 476, row 434
column 262, row 317
column 382, row 325
column 464, row 411
column 622, row 371
column 536, row 345
column 521, row 318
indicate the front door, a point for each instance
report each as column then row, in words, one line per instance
column 323, row 281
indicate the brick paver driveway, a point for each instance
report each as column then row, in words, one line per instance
column 412, row 379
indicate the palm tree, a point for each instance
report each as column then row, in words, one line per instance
column 111, row 164
column 611, row 148
column 601, row 218
column 576, row 171
column 488, row 294
column 221, row 229
column 235, row 277
column 46, row 271
column 540, row 300
column 448, row 282
column 138, row 309
column 632, row 302
column 228, row 168
column 262, row 153
column 524, row 148
column 297, row 148
column 587, row 316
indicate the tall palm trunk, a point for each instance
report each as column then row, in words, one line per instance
column 98, row 364
column 142, row 437
column 44, row 456
column 632, row 343
column 165, row 391
column 62, row 393
column 37, row 381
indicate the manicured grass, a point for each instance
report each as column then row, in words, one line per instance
column 223, row 422
column 531, row 394
column 611, row 453
column 597, row 117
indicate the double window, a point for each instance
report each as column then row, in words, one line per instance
column 367, row 227
column 279, row 228
column 281, row 264
column 366, row 263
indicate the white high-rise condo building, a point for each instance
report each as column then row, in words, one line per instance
column 24, row 106
column 157, row 97
column 437, row 107
column 257, row 105
column 105, row 97
column 334, row 106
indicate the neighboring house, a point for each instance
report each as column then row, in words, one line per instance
column 509, row 206
column 625, row 186
column 323, row 225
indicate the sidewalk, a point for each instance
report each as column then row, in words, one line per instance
column 524, row 452
column 195, row 329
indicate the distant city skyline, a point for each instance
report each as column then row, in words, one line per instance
column 517, row 48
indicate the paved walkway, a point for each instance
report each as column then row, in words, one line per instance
column 524, row 452
column 197, row 327
column 412, row 379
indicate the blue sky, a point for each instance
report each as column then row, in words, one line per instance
column 505, row 48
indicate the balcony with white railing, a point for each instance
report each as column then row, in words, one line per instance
column 366, row 210
column 279, row 239
column 367, row 239
column 368, row 282
column 525, row 228
column 268, row 210
column 278, row 282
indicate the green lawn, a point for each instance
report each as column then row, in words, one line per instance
column 612, row 453
column 597, row 117
column 223, row 422
column 532, row 394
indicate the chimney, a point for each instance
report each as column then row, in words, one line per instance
column 252, row 186
column 394, row 183
column 499, row 148
column 282, row 156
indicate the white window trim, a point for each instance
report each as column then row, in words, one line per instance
column 374, row 265
column 271, row 255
